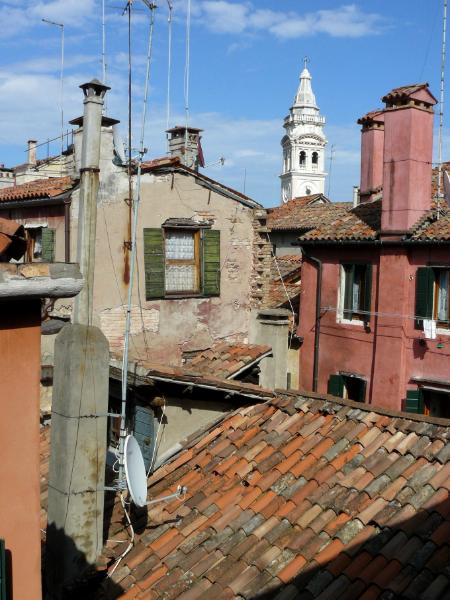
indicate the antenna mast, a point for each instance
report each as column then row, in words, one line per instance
column 441, row 108
column 169, row 67
column 61, row 82
column 186, row 75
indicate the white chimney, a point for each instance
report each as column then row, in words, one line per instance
column 32, row 152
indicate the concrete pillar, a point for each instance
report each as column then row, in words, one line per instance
column 20, row 333
column 271, row 327
column 78, row 452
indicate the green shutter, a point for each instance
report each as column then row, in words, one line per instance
column 414, row 401
column 211, row 262
column 336, row 385
column 154, row 263
column 349, row 276
column 424, row 294
column 367, row 293
column 2, row 570
column 144, row 432
column 48, row 244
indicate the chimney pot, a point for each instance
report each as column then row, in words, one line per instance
column 185, row 144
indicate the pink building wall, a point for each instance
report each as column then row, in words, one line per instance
column 388, row 354
column 20, row 334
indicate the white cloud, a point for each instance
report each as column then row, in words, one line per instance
column 226, row 17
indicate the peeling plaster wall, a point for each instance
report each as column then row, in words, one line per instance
column 170, row 326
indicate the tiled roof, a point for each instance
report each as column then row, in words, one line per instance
column 227, row 360
column 362, row 222
column 299, row 497
column 403, row 92
column 295, row 214
column 283, row 290
column 434, row 178
column 41, row 188
column 174, row 162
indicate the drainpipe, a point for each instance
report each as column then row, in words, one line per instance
column 318, row 264
column 67, row 230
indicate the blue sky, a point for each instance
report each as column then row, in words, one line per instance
column 245, row 60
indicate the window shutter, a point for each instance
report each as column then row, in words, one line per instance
column 211, row 262
column 367, row 294
column 414, row 401
column 48, row 244
column 2, row 570
column 424, row 294
column 154, row 263
column 144, row 432
column 349, row 275
column 336, row 385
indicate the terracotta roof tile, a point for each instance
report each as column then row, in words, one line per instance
column 226, row 360
column 304, row 213
column 367, row 524
column 40, row 188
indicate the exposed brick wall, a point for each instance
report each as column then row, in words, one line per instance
column 262, row 259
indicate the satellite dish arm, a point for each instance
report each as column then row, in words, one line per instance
column 180, row 494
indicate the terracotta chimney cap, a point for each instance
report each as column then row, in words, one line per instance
column 404, row 94
column 373, row 116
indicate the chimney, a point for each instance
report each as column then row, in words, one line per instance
column 184, row 143
column 32, row 152
column 408, row 145
column 356, row 197
column 372, row 142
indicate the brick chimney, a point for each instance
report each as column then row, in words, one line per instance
column 185, row 144
column 31, row 152
column 408, row 141
column 372, row 143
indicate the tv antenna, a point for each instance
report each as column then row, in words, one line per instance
column 332, row 151
column 441, row 110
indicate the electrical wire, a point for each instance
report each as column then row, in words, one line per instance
column 378, row 314
column 130, row 545
column 157, row 441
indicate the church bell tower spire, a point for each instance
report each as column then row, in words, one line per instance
column 304, row 144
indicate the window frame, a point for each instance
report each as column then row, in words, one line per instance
column 195, row 262
column 354, row 316
column 444, row 323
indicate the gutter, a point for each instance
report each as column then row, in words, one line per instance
column 318, row 263
column 409, row 242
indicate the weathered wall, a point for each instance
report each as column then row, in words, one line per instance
column 282, row 242
column 163, row 329
column 389, row 354
column 19, row 434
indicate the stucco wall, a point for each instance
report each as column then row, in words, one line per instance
column 19, row 432
column 389, row 354
column 162, row 329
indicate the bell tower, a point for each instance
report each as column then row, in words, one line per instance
column 303, row 171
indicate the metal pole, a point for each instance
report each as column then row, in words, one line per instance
column 441, row 107
column 61, row 83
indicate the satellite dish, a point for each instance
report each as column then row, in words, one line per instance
column 135, row 471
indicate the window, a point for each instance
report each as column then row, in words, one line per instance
column 349, row 386
column 315, row 160
column 181, row 262
column 432, row 295
column 302, row 159
column 40, row 244
column 355, row 293
column 429, row 401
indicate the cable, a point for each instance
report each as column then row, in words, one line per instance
column 379, row 314
column 157, row 442
column 441, row 108
column 130, row 545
